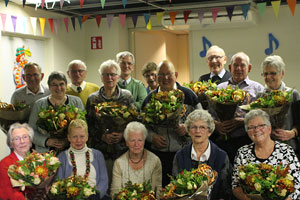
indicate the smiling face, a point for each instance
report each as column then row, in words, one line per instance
column 33, row 77
column 199, row 132
column 216, row 60
column 272, row 77
column 126, row 65
column 135, row 142
column 78, row 138
column 258, row 132
column 57, row 88
column 77, row 74
column 110, row 78
column 21, row 141
column 151, row 78
column 166, row 76
column 239, row 68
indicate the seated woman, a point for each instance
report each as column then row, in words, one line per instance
column 57, row 83
column 137, row 164
column 264, row 150
column 83, row 161
column 200, row 126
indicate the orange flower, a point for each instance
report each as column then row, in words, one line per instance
column 72, row 191
column 42, row 171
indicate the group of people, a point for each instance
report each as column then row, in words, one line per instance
column 109, row 158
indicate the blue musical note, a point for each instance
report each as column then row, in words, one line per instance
column 272, row 38
column 205, row 42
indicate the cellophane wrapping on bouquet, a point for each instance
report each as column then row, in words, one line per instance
column 264, row 181
column 194, row 184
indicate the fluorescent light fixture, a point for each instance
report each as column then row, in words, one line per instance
column 48, row 3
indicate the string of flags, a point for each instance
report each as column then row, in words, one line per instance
column 53, row 22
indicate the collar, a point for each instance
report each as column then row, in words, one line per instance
column 83, row 150
column 41, row 90
column 204, row 157
column 115, row 96
column 74, row 87
column 18, row 156
column 174, row 87
column 127, row 81
column 246, row 80
column 221, row 74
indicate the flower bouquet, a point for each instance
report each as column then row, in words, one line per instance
column 136, row 191
column 164, row 108
column 72, row 188
column 192, row 184
column 200, row 88
column 225, row 101
column 264, row 181
column 35, row 171
column 55, row 120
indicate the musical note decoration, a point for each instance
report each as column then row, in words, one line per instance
column 270, row 49
column 206, row 43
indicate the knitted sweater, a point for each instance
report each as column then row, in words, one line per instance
column 84, row 94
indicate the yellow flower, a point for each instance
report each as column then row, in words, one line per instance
column 257, row 187
column 283, row 193
column 72, row 191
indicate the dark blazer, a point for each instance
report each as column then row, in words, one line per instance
column 225, row 78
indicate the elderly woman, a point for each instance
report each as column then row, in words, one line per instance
column 150, row 74
column 273, row 73
column 83, row 161
column 200, row 126
column 110, row 143
column 137, row 164
column 264, row 150
column 57, row 83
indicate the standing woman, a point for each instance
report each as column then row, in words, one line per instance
column 57, row 83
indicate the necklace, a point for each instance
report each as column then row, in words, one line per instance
column 87, row 163
column 136, row 162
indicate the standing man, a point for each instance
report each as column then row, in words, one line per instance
column 166, row 141
column 136, row 87
column 150, row 74
column 216, row 59
column 77, row 71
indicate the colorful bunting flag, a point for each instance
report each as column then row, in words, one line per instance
column 186, row 14
column 98, row 20
column 134, row 20
column 14, row 21
column 149, row 25
column 73, row 23
column 50, row 21
column 102, row 3
column 229, row 10
column 24, row 2
column 262, row 8
column 61, row 3
column 25, row 24
column 124, row 3
column 173, row 16
column 42, row 24
column 146, row 17
column 84, row 18
column 200, row 15
column 245, row 9
column 55, row 21
column 66, row 21
column 109, row 20
column 33, row 24
column 81, row 3
column 159, row 16
column 292, row 5
column 214, row 12
column 6, row 2
column 122, row 18
column 80, row 21
column 43, row 3
column 3, row 18
column 276, row 6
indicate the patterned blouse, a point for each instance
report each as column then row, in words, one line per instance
column 282, row 154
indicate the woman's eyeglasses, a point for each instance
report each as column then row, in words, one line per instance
column 259, row 127
column 265, row 74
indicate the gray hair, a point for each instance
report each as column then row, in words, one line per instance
column 18, row 126
column 202, row 115
column 274, row 61
column 123, row 54
column 257, row 113
column 240, row 55
column 108, row 64
column 148, row 67
column 167, row 63
column 135, row 126
column 75, row 63
column 32, row 64
column 58, row 76
column 215, row 48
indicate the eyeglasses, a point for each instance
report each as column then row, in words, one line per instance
column 59, row 85
column 211, row 58
column 80, row 71
column 109, row 74
column 168, row 75
column 32, row 75
column 259, row 127
column 265, row 74
column 124, row 63
column 201, row 128
column 18, row 139
column 149, row 75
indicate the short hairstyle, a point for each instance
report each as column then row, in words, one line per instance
column 76, row 62
column 32, row 64
column 148, row 67
column 202, row 115
column 135, row 126
column 58, row 76
column 15, row 126
column 108, row 64
column 240, row 55
column 256, row 113
column 123, row 54
column 77, row 123
column 167, row 63
column 274, row 61
column 215, row 47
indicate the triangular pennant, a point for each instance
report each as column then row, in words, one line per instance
column 245, row 9
column 214, row 12
column 159, row 16
column 66, row 21
column 25, row 24
column 61, row 3
column 109, row 20
column 73, row 23
column 229, row 10
column 173, row 16
column 43, row 3
column 81, row 3
column 292, row 5
column 14, row 21
column 6, row 2
column 50, row 21
column 84, row 18
column 276, row 6
column 24, row 2
column 80, row 21
column 200, row 15
column 262, row 8
column 42, row 24
column 3, row 18
column 102, row 3
column 149, row 25
column 146, row 17
column 134, row 19
column 55, row 21
column 186, row 14
column 33, row 24
column 98, row 20
column 124, row 3
column 122, row 18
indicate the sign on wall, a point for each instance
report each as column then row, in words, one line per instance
column 96, row 42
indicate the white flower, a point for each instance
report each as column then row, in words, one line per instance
column 242, row 175
column 69, row 184
column 88, row 192
column 257, row 187
column 173, row 99
column 37, row 180
column 283, row 193
column 53, row 160
column 53, row 189
column 20, row 171
column 289, row 177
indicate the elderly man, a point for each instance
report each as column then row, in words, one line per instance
column 126, row 61
column 150, row 74
column 166, row 141
column 77, row 71
column 216, row 59
column 239, row 67
column 33, row 90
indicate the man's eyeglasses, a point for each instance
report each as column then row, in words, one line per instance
column 32, row 75
column 80, row 71
column 265, row 74
column 124, row 63
column 109, row 74
column 201, row 128
column 211, row 58
column 168, row 75
column 259, row 127
column 19, row 138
